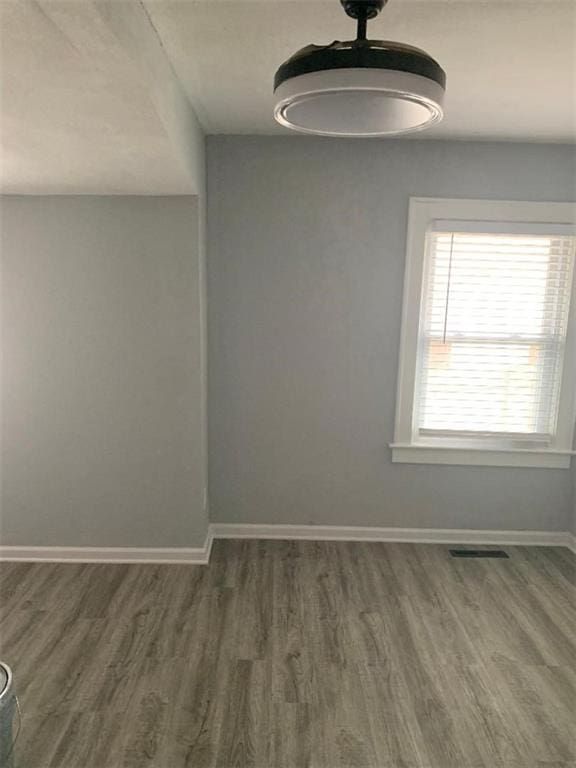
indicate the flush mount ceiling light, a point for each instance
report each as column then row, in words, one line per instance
column 359, row 87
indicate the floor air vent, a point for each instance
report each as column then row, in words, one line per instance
column 478, row 553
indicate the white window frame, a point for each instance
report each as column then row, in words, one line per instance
column 407, row 448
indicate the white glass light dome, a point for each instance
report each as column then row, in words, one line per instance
column 359, row 87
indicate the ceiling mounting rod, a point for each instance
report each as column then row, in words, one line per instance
column 363, row 11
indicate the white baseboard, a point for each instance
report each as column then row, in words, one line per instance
column 150, row 555
column 201, row 555
column 414, row 535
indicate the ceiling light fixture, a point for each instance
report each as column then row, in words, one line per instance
column 359, row 87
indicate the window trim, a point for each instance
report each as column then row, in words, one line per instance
column 406, row 448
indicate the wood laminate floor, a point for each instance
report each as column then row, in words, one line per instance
column 296, row 655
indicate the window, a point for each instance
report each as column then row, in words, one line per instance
column 487, row 364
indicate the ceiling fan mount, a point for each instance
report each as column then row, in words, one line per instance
column 363, row 9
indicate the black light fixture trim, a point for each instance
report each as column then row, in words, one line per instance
column 360, row 54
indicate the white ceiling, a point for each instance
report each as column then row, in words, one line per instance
column 511, row 64
column 76, row 116
column 76, row 113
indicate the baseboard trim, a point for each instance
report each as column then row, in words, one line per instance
column 406, row 535
column 201, row 555
column 150, row 555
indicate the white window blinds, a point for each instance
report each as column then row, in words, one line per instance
column 493, row 330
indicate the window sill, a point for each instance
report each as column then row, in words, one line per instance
column 480, row 457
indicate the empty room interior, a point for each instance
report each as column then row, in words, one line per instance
column 287, row 384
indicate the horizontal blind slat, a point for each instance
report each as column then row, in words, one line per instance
column 493, row 330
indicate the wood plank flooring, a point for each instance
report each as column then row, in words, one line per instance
column 296, row 655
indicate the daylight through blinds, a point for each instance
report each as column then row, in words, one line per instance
column 493, row 333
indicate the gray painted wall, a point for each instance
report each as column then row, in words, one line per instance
column 306, row 261
column 102, row 374
column 572, row 523
column 572, row 526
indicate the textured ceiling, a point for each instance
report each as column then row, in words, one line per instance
column 511, row 64
column 77, row 114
